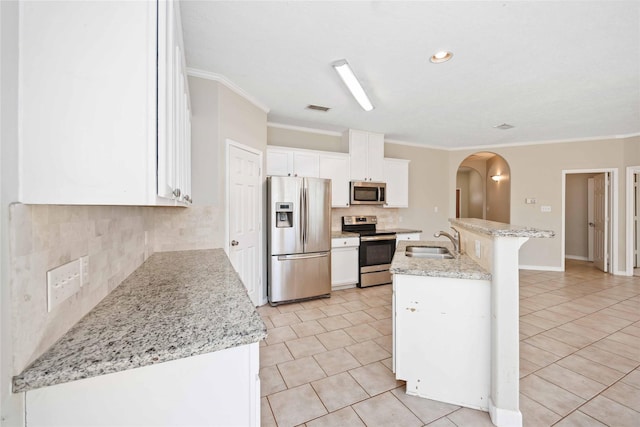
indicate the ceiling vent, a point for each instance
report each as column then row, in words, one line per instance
column 317, row 108
column 504, row 126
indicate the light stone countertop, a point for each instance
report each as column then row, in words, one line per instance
column 459, row 267
column 499, row 229
column 343, row 234
column 175, row 305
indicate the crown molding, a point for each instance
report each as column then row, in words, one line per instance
column 194, row 72
column 303, row 129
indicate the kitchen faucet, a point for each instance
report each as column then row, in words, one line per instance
column 455, row 239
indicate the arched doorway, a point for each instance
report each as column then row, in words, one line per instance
column 483, row 188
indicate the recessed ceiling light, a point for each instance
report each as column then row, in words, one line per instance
column 441, row 56
column 504, row 126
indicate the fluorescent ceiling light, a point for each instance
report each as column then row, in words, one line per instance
column 346, row 74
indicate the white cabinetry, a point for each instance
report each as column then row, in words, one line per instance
column 292, row 162
column 367, row 154
column 335, row 166
column 396, row 175
column 91, row 118
column 407, row 236
column 344, row 262
column 216, row 389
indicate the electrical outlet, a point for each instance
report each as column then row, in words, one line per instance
column 84, row 270
column 62, row 282
column 530, row 201
column 545, row 208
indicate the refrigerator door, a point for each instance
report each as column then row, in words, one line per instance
column 293, row 277
column 317, row 231
column 285, row 238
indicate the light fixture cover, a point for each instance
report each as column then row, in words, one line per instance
column 349, row 78
column 441, row 56
column 496, row 178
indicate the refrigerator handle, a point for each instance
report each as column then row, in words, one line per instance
column 302, row 216
column 306, row 215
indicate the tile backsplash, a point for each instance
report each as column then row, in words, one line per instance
column 117, row 239
column 387, row 217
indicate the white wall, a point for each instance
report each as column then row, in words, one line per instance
column 11, row 405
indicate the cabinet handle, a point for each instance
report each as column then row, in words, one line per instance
column 234, row 243
column 177, row 192
column 187, row 199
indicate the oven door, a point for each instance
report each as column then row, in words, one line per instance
column 376, row 253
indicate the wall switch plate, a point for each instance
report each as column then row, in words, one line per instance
column 478, row 249
column 545, row 208
column 62, row 282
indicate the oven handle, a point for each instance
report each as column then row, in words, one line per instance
column 376, row 238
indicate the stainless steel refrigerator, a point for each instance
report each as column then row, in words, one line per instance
column 299, row 236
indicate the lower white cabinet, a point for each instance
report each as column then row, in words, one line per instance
column 216, row 389
column 407, row 236
column 344, row 262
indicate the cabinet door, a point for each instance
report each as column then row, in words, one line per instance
column 358, row 143
column 305, row 164
column 396, row 175
column 407, row 237
column 279, row 162
column 336, row 168
column 344, row 266
column 88, row 102
column 375, row 157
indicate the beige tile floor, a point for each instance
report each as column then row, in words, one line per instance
column 327, row 362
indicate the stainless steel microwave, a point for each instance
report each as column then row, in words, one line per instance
column 368, row 193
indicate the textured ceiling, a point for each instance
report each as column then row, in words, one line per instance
column 556, row 70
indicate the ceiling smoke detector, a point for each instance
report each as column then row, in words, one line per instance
column 504, row 126
column 317, row 108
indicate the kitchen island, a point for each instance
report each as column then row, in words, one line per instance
column 451, row 299
column 175, row 343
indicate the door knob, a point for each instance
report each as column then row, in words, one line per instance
column 234, row 243
column 591, row 224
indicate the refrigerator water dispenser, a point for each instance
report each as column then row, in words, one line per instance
column 284, row 215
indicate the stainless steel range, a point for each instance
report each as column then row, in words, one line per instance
column 376, row 249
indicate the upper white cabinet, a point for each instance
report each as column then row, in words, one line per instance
column 396, row 175
column 104, row 104
column 367, row 154
column 292, row 162
column 335, row 166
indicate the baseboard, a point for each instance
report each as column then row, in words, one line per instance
column 540, row 267
column 577, row 258
column 504, row 417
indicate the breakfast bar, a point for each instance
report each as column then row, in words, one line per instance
column 458, row 338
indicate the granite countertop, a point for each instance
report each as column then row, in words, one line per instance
column 343, row 234
column 499, row 229
column 401, row 230
column 459, row 267
column 175, row 305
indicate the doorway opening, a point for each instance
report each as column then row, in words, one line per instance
column 483, row 188
column 589, row 215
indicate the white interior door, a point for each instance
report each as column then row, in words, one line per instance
column 600, row 220
column 636, row 224
column 590, row 221
column 244, row 186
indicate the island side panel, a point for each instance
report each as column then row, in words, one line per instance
column 218, row 388
column 442, row 338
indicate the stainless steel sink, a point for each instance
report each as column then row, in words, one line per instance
column 433, row 252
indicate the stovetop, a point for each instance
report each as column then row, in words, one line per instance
column 363, row 225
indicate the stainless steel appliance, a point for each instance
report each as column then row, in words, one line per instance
column 368, row 193
column 376, row 249
column 299, row 236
